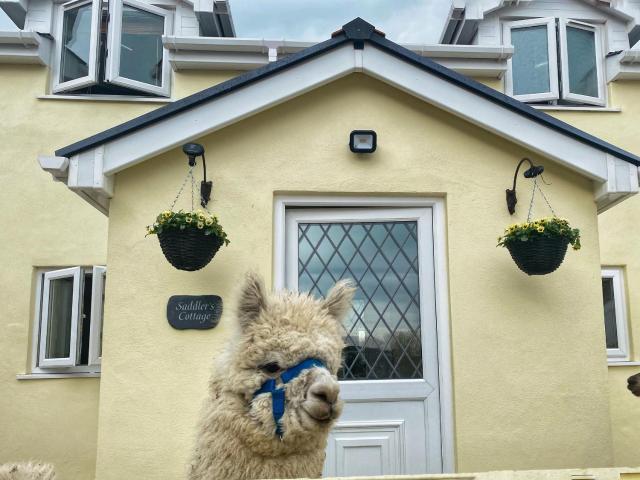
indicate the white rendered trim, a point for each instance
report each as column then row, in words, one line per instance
column 622, row 353
column 49, row 376
column 440, row 265
column 147, row 142
column 105, row 98
column 554, row 92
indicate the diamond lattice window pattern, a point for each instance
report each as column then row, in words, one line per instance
column 383, row 329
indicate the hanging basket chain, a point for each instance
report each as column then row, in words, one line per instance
column 189, row 174
column 533, row 196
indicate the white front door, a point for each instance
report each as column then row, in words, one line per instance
column 389, row 378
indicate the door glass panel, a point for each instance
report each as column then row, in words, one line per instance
column 141, row 46
column 583, row 73
column 59, row 318
column 383, row 338
column 76, row 43
column 610, row 324
column 530, row 60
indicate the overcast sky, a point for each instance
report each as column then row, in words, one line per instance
column 404, row 21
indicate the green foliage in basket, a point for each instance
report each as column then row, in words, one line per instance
column 551, row 227
column 183, row 220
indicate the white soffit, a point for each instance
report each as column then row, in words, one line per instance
column 94, row 168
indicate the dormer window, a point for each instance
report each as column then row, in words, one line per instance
column 111, row 48
column 556, row 61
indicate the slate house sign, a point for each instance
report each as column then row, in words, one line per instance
column 199, row 312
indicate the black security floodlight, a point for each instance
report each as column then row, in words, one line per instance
column 363, row 141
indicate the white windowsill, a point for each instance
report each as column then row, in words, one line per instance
column 567, row 108
column 41, row 376
column 106, row 98
column 624, row 364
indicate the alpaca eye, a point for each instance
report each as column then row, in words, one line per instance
column 271, row 367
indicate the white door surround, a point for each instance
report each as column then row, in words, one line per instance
column 387, row 440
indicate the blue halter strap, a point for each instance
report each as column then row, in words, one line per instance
column 277, row 391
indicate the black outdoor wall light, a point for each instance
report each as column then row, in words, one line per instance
column 193, row 150
column 532, row 172
column 363, row 141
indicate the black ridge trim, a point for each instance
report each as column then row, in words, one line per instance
column 501, row 99
column 356, row 30
column 200, row 97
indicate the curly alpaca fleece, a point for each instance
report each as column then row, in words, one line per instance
column 236, row 438
column 27, row 471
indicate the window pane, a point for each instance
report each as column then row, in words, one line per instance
column 141, row 46
column 610, row 325
column 76, row 43
column 104, row 282
column 59, row 323
column 84, row 325
column 383, row 339
column 530, row 60
column 583, row 74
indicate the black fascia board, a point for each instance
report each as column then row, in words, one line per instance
column 500, row 98
column 356, row 31
column 202, row 96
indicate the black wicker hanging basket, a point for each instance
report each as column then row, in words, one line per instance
column 189, row 249
column 538, row 255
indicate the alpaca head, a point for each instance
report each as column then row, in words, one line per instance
column 277, row 332
column 634, row 384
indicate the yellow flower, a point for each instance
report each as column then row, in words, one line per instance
column 166, row 214
column 188, row 219
column 540, row 229
column 200, row 225
column 208, row 221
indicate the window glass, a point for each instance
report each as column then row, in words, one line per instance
column 59, row 323
column 583, row 73
column 76, row 43
column 530, row 60
column 610, row 324
column 383, row 339
column 141, row 46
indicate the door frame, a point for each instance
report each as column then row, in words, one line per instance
column 437, row 206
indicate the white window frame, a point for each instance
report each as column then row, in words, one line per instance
column 39, row 328
column 112, row 72
column 554, row 89
column 92, row 77
column 564, row 60
column 622, row 353
column 75, row 273
column 97, row 306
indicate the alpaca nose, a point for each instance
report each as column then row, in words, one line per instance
column 633, row 380
column 325, row 390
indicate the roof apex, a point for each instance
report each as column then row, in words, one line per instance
column 358, row 29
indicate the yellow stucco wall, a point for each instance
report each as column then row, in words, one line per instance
column 530, row 376
column 620, row 247
column 46, row 225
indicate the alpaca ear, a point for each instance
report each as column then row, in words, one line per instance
column 338, row 301
column 253, row 299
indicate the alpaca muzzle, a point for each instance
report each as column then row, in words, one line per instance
column 322, row 398
column 277, row 391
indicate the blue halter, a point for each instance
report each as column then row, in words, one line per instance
column 277, row 392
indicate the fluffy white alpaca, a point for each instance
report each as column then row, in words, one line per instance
column 237, row 436
column 27, row 471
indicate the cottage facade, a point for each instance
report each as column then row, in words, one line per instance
column 495, row 370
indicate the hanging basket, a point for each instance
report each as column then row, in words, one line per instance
column 538, row 255
column 189, row 249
